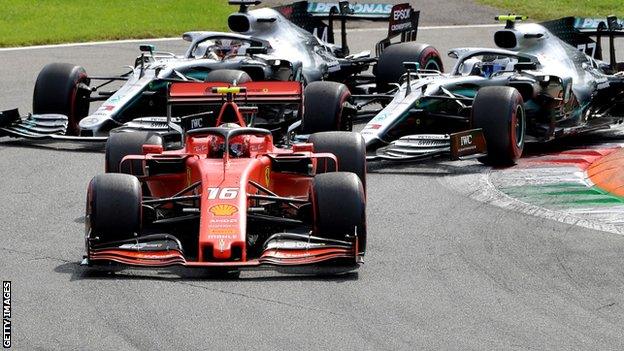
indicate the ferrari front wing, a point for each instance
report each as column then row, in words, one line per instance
column 280, row 250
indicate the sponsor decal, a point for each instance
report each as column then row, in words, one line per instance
column 267, row 176
column 6, row 314
column 223, row 231
column 197, row 123
column 401, row 14
column 108, row 108
column 221, row 236
column 467, row 143
column 592, row 23
column 223, row 210
column 358, row 9
column 223, row 220
column 465, row 140
column 380, row 117
column 421, row 142
column 114, row 99
column 401, row 19
column 142, row 246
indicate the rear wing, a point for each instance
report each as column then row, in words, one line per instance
column 586, row 34
column 311, row 16
column 247, row 96
column 274, row 93
column 352, row 11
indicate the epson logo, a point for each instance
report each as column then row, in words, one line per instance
column 402, row 14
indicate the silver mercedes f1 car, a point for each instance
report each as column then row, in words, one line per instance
column 544, row 81
column 289, row 43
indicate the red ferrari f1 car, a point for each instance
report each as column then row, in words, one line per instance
column 227, row 197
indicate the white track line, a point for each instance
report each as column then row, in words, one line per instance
column 127, row 41
column 108, row 42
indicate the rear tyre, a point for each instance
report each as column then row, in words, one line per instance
column 499, row 111
column 339, row 207
column 390, row 66
column 228, row 76
column 348, row 147
column 323, row 107
column 59, row 90
column 113, row 207
column 120, row 145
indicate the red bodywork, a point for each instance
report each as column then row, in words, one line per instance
column 226, row 182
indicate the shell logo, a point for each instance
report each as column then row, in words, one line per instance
column 223, row 210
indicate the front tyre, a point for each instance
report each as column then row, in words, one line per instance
column 499, row 111
column 323, row 107
column 339, row 207
column 113, row 207
column 63, row 88
column 390, row 67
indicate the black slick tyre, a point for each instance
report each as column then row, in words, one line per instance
column 60, row 88
column 323, row 107
column 113, row 207
column 120, row 145
column 390, row 65
column 348, row 147
column 499, row 111
column 339, row 207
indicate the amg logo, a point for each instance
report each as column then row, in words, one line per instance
column 465, row 140
column 6, row 314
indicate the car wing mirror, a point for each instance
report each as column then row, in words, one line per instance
column 411, row 66
column 255, row 50
column 147, row 48
column 525, row 66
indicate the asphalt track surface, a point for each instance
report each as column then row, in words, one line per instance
column 443, row 271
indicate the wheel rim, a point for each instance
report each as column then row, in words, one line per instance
column 520, row 126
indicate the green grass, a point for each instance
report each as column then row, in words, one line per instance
column 32, row 22
column 552, row 9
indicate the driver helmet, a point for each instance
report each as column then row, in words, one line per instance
column 223, row 48
column 490, row 67
column 239, row 145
